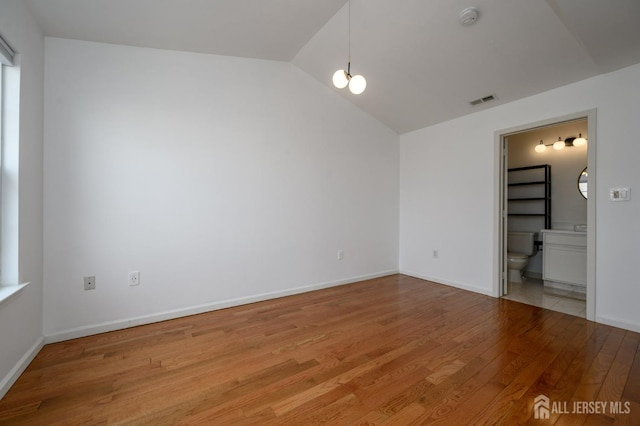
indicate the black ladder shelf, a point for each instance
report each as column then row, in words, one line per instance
column 529, row 193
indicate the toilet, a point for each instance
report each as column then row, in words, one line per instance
column 520, row 246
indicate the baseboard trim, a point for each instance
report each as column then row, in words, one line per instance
column 21, row 365
column 535, row 275
column 89, row 330
column 614, row 322
column 461, row 286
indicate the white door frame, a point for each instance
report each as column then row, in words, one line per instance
column 500, row 255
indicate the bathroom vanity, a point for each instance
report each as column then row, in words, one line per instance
column 564, row 260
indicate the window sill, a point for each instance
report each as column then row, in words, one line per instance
column 8, row 292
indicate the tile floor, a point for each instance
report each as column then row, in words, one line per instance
column 532, row 292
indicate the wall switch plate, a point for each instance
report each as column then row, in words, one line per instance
column 620, row 194
column 90, row 282
column 340, row 254
column 134, row 278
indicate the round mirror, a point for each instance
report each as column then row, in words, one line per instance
column 582, row 183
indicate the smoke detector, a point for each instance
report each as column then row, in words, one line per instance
column 468, row 16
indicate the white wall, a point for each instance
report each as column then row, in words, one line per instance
column 222, row 180
column 21, row 315
column 449, row 179
column 446, row 194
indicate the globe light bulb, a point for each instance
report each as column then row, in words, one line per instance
column 541, row 147
column 340, row 79
column 357, row 84
column 579, row 141
column 558, row 145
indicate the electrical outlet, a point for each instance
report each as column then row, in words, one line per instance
column 90, row 282
column 134, row 278
column 340, row 254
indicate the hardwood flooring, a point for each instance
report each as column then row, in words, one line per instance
column 390, row 351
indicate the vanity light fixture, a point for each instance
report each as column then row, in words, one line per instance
column 341, row 78
column 561, row 144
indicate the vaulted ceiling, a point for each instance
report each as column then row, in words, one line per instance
column 422, row 66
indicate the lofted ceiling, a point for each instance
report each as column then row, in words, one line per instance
column 422, row 66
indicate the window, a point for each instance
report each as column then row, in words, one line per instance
column 9, row 113
column 2, row 102
column 6, row 59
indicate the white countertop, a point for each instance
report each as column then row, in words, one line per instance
column 564, row 231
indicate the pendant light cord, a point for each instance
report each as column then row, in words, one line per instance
column 349, row 46
column 349, row 43
column 342, row 77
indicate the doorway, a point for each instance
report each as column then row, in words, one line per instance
column 522, row 215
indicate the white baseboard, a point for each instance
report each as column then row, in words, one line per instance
column 89, row 330
column 462, row 286
column 566, row 287
column 18, row 369
column 614, row 322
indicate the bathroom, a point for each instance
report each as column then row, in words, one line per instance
column 548, row 197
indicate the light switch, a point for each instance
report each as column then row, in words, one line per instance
column 620, row 194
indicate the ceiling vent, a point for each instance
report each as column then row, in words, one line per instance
column 482, row 100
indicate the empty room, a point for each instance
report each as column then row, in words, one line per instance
column 319, row 212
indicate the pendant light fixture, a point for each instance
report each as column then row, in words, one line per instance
column 342, row 78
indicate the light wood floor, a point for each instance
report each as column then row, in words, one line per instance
column 394, row 350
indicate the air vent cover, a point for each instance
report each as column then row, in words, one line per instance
column 483, row 99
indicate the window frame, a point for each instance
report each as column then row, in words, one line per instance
column 9, row 139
